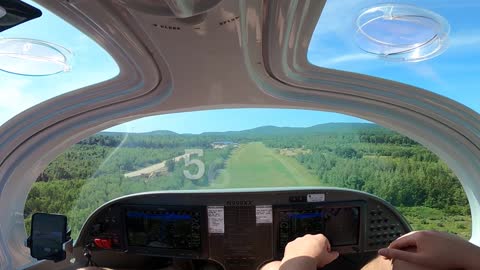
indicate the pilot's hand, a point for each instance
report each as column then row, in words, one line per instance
column 435, row 250
column 312, row 249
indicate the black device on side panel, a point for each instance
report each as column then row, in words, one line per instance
column 166, row 230
column 15, row 12
column 48, row 236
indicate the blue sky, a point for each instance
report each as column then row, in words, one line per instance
column 91, row 64
column 233, row 120
column 453, row 74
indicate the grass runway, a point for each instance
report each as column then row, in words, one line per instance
column 255, row 165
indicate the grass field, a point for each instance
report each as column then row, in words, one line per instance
column 255, row 165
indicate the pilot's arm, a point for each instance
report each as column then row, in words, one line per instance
column 305, row 253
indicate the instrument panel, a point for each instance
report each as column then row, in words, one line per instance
column 174, row 228
column 341, row 224
column 240, row 229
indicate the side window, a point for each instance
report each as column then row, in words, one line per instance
column 272, row 152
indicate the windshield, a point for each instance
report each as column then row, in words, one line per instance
column 430, row 44
column 252, row 148
column 88, row 63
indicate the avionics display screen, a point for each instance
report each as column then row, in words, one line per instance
column 339, row 225
column 169, row 229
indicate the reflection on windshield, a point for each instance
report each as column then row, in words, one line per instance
column 355, row 155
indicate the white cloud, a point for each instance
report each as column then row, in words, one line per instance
column 347, row 58
column 429, row 72
column 14, row 98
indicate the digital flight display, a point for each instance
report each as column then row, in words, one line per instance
column 167, row 229
column 339, row 224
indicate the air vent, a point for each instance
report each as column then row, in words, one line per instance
column 229, row 20
column 3, row 12
column 166, row 27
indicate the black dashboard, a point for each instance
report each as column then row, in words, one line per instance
column 240, row 229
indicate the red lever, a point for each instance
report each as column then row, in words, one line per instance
column 98, row 242
column 107, row 243
column 103, row 243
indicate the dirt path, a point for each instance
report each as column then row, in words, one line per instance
column 153, row 169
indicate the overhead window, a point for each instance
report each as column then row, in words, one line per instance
column 428, row 44
column 47, row 46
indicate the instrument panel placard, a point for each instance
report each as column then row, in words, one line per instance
column 216, row 219
column 264, row 214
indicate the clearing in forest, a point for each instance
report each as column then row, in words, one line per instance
column 255, row 165
column 155, row 169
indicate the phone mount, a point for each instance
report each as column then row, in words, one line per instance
column 67, row 247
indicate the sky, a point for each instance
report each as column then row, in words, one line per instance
column 233, row 120
column 453, row 74
column 90, row 64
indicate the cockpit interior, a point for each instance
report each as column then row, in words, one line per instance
column 239, row 230
column 209, row 134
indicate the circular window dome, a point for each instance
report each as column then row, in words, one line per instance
column 33, row 57
column 401, row 32
column 3, row 12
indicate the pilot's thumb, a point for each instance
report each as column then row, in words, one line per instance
column 328, row 258
column 403, row 255
column 332, row 256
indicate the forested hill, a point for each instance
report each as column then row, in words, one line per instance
column 355, row 132
column 153, row 133
column 328, row 128
column 83, row 160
